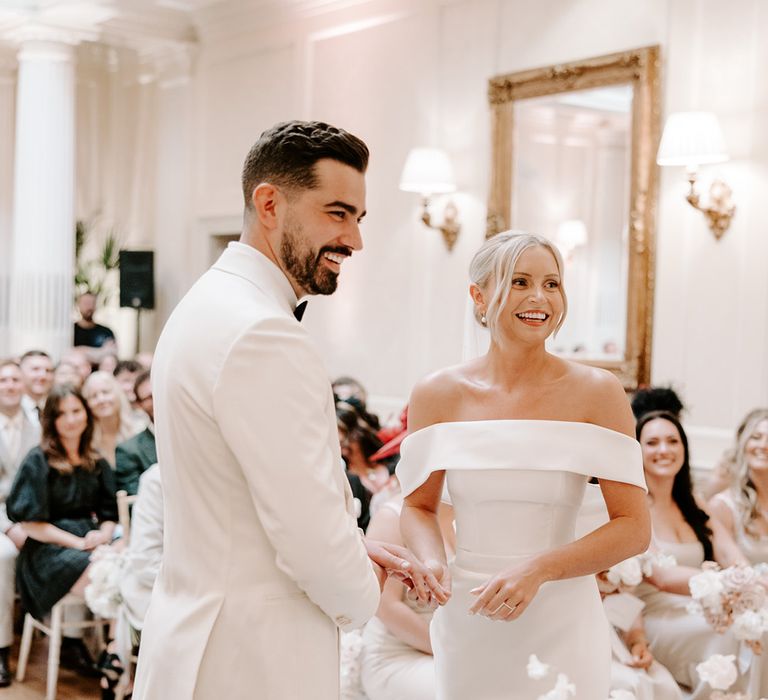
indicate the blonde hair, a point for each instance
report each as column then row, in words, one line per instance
column 127, row 425
column 743, row 490
column 494, row 264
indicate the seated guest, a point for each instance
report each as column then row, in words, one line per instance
column 358, row 442
column 18, row 435
column 145, row 551
column 78, row 358
column 64, row 499
column 656, row 398
column 397, row 662
column 345, row 388
column 114, row 422
column 352, row 392
column 145, row 360
column 108, row 363
column 634, row 669
column 683, row 528
column 126, row 372
column 743, row 508
column 37, row 375
column 66, row 372
column 723, row 476
column 134, row 456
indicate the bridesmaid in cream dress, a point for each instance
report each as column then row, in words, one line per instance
column 683, row 528
column 743, row 508
column 516, row 434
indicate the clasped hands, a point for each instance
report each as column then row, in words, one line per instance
column 428, row 583
column 93, row 539
column 506, row 596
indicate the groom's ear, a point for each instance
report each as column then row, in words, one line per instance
column 266, row 201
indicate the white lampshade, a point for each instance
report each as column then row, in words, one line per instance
column 690, row 139
column 571, row 234
column 427, row 171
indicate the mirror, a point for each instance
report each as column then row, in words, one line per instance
column 573, row 160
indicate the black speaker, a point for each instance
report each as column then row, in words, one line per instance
column 137, row 279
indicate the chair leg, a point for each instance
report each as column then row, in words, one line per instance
column 54, row 649
column 26, row 645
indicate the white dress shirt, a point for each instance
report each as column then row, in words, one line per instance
column 10, row 433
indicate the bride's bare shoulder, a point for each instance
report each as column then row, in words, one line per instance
column 602, row 395
column 435, row 397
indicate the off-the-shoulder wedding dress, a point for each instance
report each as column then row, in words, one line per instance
column 516, row 487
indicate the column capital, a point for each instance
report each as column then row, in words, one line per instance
column 168, row 65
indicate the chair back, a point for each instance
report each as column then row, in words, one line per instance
column 124, row 503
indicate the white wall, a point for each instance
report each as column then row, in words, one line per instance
column 164, row 161
column 400, row 73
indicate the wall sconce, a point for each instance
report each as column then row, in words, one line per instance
column 428, row 171
column 571, row 234
column 692, row 139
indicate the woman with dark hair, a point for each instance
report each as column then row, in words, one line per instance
column 358, row 442
column 683, row 528
column 64, row 498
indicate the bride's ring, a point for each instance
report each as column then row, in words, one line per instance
column 504, row 604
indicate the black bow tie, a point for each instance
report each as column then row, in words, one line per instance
column 298, row 312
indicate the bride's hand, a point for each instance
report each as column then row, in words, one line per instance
column 430, row 585
column 508, row 594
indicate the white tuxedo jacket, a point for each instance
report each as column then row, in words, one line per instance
column 263, row 560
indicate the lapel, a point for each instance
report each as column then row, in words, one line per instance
column 247, row 262
column 5, row 460
column 146, row 446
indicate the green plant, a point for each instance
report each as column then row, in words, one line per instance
column 92, row 275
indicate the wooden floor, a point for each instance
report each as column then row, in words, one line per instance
column 70, row 687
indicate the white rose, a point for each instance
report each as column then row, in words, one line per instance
column 621, row 694
column 653, row 560
column 719, row 671
column 738, row 577
column 749, row 625
column 706, row 587
column 563, row 689
column 627, row 573
column 536, row 669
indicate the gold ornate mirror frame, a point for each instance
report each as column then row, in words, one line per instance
column 640, row 69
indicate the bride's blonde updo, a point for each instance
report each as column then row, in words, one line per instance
column 493, row 268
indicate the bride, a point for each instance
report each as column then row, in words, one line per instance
column 518, row 432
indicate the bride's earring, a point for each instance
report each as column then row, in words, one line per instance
column 483, row 320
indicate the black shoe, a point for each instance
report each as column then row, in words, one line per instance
column 74, row 656
column 5, row 671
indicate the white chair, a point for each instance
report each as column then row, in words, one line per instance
column 55, row 631
column 124, row 503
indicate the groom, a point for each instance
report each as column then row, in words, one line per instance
column 263, row 561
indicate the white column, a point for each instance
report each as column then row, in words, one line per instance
column 7, row 92
column 44, row 220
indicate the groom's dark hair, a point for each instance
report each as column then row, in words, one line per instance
column 285, row 155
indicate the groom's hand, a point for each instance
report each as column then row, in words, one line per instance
column 428, row 584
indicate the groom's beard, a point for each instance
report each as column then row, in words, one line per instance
column 304, row 264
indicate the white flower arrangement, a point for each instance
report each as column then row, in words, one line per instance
column 721, row 673
column 733, row 597
column 621, row 694
column 102, row 594
column 350, row 649
column 629, row 573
